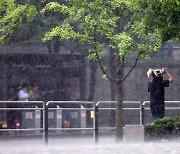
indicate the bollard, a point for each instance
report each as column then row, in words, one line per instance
column 37, row 120
column 58, row 119
column 83, row 118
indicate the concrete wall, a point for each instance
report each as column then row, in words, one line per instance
column 135, row 86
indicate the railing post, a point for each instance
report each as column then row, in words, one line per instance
column 37, row 118
column 58, row 118
column 83, row 118
column 142, row 111
column 96, row 124
column 46, row 125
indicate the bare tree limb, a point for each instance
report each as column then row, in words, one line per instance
column 102, row 68
column 99, row 60
column 134, row 65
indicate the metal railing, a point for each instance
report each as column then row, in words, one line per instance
column 80, row 108
column 97, row 108
column 169, row 105
column 25, row 107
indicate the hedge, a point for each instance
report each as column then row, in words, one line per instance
column 163, row 128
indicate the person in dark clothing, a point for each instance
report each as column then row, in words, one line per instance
column 49, row 94
column 11, row 114
column 156, row 87
column 61, row 95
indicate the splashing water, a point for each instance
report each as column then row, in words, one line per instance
column 87, row 146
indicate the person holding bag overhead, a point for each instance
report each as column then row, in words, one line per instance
column 156, row 87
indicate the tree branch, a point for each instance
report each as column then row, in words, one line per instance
column 99, row 60
column 102, row 68
column 134, row 65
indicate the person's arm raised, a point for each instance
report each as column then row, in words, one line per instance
column 169, row 76
column 150, row 74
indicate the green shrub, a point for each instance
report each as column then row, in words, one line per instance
column 165, row 127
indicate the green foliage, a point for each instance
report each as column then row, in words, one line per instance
column 12, row 16
column 164, row 127
column 112, row 22
column 161, row 15
column 55, row 6
column 92, row 54
column 33, row 24
column 105, row 77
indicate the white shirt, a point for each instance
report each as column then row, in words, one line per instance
column 22, row 94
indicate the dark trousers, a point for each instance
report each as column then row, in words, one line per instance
column 157, row 111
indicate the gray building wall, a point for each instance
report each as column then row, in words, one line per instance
column 135, row 86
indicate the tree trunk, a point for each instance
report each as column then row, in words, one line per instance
column 119, row 111
column 112, row 66
column 93, row 66
column 56, row 45
column 119, row 98
column 48, row 45
column 112, row 74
